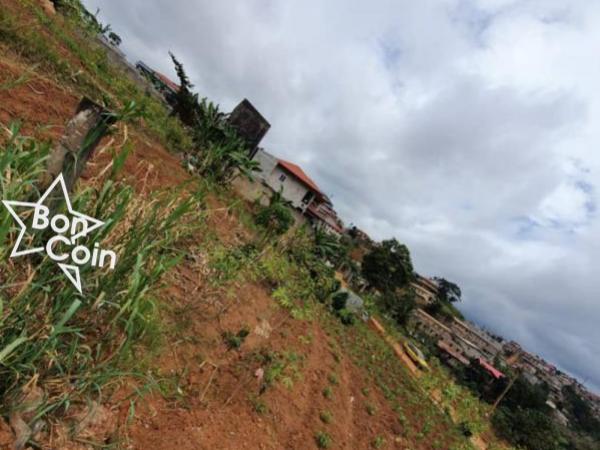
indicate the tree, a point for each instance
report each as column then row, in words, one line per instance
column 186, row 103
column 442, row 307
column 388, row 266
column 448, row 291
column 581, row 413
column 399, row 307
column 328, row 247
column 219, row 153
column 528, row 428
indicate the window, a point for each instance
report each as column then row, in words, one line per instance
column 282, row 177
column 307, row 197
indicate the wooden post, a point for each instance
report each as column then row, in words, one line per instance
column 82, row 135
column 510, row 385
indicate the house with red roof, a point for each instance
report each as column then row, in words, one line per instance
column 163, row 84
column 300, row 190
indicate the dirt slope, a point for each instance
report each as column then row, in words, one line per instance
column 208, row 396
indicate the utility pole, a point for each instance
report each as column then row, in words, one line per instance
column 503, row 394
column 508, row 387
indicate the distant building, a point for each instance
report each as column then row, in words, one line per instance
column 452, row 342
column 430, row 326
column 489, row 347
column 426, row 290
column 452, row 353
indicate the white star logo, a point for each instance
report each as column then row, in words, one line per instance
column 88, row 224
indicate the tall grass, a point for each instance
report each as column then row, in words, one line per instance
column 72, row 344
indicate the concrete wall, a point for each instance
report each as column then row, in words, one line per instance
column 267, row 163
column 292, row 189
column 252, row 190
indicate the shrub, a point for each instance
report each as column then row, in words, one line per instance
column 378, row 442
column 235, row 341
column 347, row 317
column 338, row 301
column 326, row 416
column 371, row 410
column 276, row 218
column 323, row 439
column 333, row 379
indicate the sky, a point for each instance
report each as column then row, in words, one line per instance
column 467, row 129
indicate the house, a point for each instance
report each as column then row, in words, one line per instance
column 451, row 353
column 430, row 326
column 300, row 190
column 322, row 214
column 165, row 86
column 495, row 373
column 471, row 333
column 426, row 290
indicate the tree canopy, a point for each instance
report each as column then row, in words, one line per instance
column 448, row 291
column 388, row 266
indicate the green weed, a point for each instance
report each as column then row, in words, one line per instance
column 323, row 439
column 326, row 416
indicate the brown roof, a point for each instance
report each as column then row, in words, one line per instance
column 299, row 173
column 167, row 81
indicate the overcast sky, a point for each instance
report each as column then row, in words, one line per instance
column 469, row 130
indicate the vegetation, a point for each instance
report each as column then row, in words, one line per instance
column 398, row 306
column 48, row 336
column 219, row 153
column 326, row 416
column 234, row 341
column 442, row 307
column 378, row 442
column 529, row 428
column 327, row 392
column 323, row 439
column 276, row 218
column 448, row 291
column 388, row 266
column 73, row 350
column 329, row 247
column 580, row 413
column 259, row 406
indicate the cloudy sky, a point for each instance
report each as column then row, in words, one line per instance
column 469, row 130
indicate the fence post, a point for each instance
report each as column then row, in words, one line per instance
column 82, row 135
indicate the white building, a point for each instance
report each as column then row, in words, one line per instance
column 299, row 189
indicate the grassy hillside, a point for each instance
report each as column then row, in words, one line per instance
column 209, row 333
